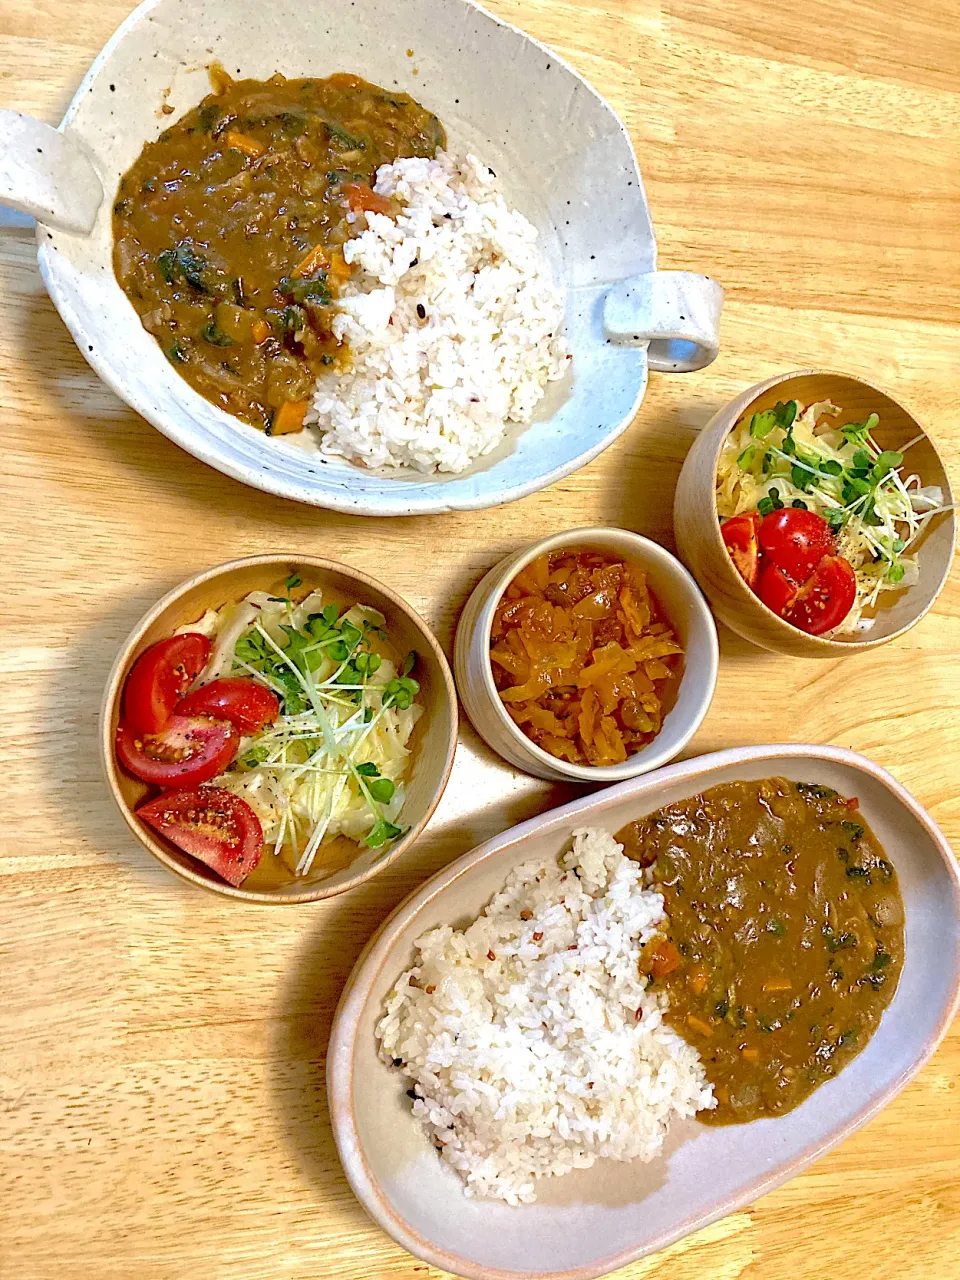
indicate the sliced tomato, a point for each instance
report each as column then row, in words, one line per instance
column 247, row 704
column 188, row 751
column 796, row 541
column 213, row 825
column 776, row 589
column 825, row 598
column 160, row 677
column 361, row 198
column 739, row 535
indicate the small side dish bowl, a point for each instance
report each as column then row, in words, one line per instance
column 592, row 1221
column 697, row 523
column 683, row 606
column 432, row 745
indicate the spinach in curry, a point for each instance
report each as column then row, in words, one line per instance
column 784, row 940
column 228, row 231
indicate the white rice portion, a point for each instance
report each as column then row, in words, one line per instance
column 553, row 1054
column 435, row 392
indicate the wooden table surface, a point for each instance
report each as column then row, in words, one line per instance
column 162, row 1109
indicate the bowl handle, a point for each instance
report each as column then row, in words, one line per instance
column 47, row 173
column 675, row 313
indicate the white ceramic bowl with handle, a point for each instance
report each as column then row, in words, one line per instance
column 563, row 156
column 683, row 606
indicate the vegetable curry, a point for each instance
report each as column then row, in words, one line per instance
column 784, row 940
column 228, row 231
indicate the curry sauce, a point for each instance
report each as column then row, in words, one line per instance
column 228, row 231
column 784, row 941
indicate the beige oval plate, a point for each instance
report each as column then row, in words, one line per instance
column 594, row 1221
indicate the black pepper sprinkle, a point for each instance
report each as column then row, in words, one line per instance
column 113, row 88
column 421, row 311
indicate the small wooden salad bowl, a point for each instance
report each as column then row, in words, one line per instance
column 432, row 744
column 697, row 523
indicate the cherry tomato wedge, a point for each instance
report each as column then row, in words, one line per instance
column 188, row 751
column 160, row 677
column 360, row 197
column 213, row 825
column 776, row 590
column 247, row 704
column 796, row 541
column 825, row 598
column 739, row 535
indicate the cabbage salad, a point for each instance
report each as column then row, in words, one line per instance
column 334, row 761
column 799, row 456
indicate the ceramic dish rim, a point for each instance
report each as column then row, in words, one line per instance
column 828, row 647
column 260, row 477
column 113, row 691
column 379, row 950
column 639, row 762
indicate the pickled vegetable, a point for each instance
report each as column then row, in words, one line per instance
column 584, row 660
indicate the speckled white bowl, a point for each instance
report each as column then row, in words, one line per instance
column 593, row 1221
column 683, row 605
column 563, row 156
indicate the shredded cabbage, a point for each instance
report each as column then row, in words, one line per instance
column 794, row 455
column 335, row 760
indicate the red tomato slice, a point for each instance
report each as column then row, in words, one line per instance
column 776, row 590
column 360, row 197
column 213, row 825
column 160, row 677
column 796, row 541
column 825, row 598
column 190, row 750
column 739, row 535
column 247, row 704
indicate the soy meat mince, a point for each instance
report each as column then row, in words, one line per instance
column 583, row 658
column 228, row 231
column 784, row 941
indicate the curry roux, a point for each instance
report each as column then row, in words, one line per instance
column 228, row 231
column 784, row 937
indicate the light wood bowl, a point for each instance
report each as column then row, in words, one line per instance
column 697, row 525
column 432, row 745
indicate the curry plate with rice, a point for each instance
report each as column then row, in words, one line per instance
column 306, row 252
column 726, row 955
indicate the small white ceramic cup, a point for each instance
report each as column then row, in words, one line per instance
column 683, row 605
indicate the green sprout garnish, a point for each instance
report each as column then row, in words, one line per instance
column 323, row 672
column 857, row 489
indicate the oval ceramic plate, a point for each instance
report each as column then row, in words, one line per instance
column 561, row 153
column 594, row 1221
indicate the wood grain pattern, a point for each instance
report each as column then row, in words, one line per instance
column 162, row 1109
